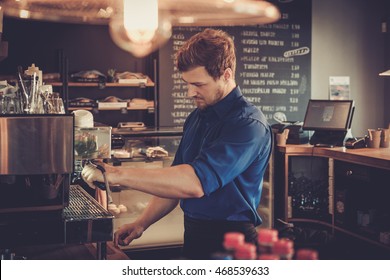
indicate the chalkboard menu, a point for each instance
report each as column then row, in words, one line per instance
column 273, row 66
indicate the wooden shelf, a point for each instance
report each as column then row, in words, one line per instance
column 361, row 237
column 307, row 220
column 109, row 109
column 340, row 229
column 129, row 111
column 149, row 83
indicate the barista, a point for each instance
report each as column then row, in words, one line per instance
column 218, row 169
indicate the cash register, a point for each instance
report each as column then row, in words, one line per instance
column 330, row 121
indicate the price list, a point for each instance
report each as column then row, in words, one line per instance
column 273, row 66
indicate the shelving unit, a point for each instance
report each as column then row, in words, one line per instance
column 150, row 109
column 112, row 115
column 151, row 97
column 355, row 183
column 149, row 83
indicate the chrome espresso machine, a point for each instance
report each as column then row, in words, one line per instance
column 38, row 204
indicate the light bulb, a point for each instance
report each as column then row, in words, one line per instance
column 139, row 28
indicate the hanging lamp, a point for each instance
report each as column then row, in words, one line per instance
column 136, row 37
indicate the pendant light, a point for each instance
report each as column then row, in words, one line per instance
column 142, row 26
column 386, row 73
column 139, row 28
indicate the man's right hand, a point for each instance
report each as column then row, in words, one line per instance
column 91, row 174
column 127, row 233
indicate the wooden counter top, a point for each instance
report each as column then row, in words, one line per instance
column 295, row 149
column 379, row 158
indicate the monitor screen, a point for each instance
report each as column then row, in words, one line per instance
column 333, row 115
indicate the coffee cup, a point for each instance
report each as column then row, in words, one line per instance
column 374, row 138
column 385, row 138
column 281, row 138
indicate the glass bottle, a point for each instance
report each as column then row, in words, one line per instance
column 11, row 106
column 2, row 105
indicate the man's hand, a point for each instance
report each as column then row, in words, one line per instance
column 127, row 233
column 91, row 174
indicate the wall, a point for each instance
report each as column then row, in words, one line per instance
column 269, row 72
column 387, row 61
column 88, row 47
column 347, row 41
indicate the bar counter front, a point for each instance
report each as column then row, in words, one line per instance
column 344, row 190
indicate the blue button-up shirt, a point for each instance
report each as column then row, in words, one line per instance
column 228, row 145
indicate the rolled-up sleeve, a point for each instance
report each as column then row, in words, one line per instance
column 230, row 154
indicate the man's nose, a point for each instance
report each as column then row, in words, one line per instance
column 191, row 91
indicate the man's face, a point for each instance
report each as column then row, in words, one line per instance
column 202, row 88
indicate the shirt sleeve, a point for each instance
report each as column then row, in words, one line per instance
column 178, row 159
column 231, row 153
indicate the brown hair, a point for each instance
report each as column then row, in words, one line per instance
column 213, row 49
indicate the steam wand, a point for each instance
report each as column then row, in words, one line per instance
column 103, row 186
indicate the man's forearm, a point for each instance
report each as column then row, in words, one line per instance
column 157, row 208
column 171, row 182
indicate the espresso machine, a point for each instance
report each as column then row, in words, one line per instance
column 38, row 203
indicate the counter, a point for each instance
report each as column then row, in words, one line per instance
column 345, row 190
column 379, row 158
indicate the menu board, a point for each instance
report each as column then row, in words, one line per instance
column 273, row 66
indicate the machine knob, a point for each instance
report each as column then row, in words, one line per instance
column 349, row 172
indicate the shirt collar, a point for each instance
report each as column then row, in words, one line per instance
column 224, row 105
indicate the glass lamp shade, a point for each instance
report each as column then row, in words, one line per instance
column 139, row 28
column 151, row 20
column 385, row 73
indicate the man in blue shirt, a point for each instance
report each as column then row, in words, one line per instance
column 218, row 169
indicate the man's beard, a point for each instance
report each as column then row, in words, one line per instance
column 217, row 97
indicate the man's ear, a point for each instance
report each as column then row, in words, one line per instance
column 227, row 74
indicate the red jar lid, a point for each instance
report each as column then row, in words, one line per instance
column 265, row 235
column 307, row 254
column 233, row 239
column 246, row 251
column 241, row 256
column 268, row 257
column 283, row 247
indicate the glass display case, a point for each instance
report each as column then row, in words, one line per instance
column 92, row 142
column 149, row 148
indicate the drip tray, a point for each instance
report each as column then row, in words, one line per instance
column 85, row 220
